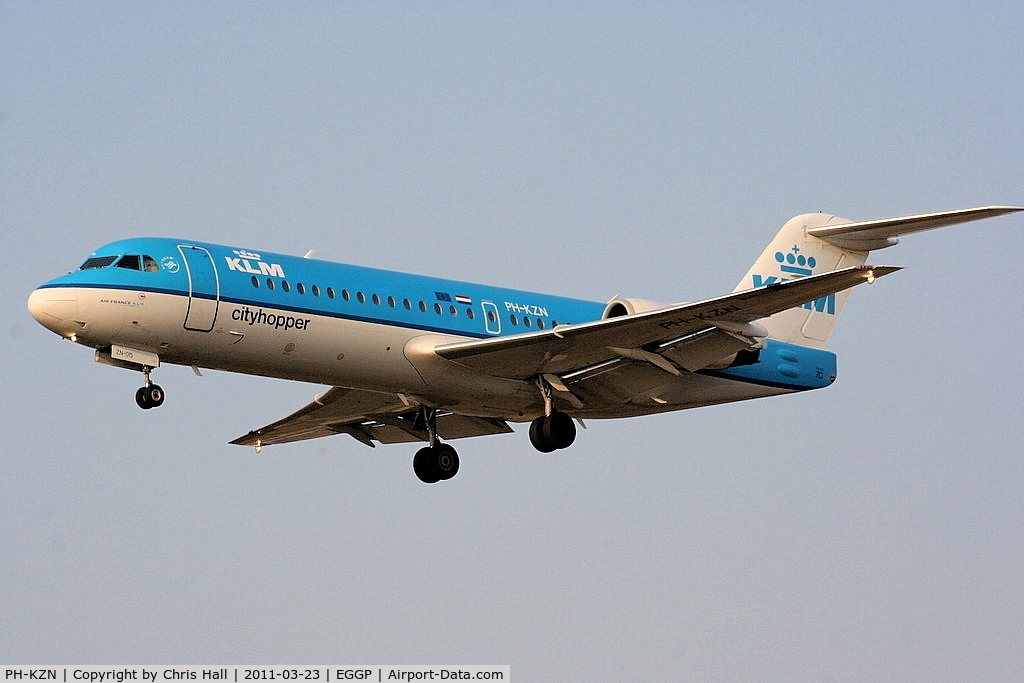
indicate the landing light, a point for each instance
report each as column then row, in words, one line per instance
column 871, row 277
column 259, row 446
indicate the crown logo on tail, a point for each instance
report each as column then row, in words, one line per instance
column 795, row 263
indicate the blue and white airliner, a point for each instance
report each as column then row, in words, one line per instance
column 411, row 358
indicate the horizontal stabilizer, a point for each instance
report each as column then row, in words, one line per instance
column 872, row 235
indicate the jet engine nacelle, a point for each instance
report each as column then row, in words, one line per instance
column 617, row 307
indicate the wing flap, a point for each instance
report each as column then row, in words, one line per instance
column 338, row 411
column 367, row 417
column 453, row 426
column 571, row 347
column 702, row 349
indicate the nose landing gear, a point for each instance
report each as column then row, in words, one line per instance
column 151, row 395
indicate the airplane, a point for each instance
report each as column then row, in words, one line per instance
column 410, row 358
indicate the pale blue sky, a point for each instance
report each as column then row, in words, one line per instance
column 871, row 530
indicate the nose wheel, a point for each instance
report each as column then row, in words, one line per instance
column 149, row 396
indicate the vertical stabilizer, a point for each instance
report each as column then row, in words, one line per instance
column 794, row 254
column 816, row 243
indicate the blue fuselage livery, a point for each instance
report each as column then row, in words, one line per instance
column 264, row 284
column 413, row 358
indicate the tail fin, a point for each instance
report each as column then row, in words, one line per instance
column 816, row 243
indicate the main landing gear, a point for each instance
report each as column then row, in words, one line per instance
column 151, row 395
column 552, row 432
column 438, row 461
column 432, row 464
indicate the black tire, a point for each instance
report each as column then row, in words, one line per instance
column 424, row 464
column 538, row 436
column 142, row 399
column 154, row 395
column 559, row 430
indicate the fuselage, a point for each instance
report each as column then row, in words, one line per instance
column 261, row 313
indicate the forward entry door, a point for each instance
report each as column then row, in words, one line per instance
column 203, row 288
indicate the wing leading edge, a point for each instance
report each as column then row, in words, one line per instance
column 366, row 416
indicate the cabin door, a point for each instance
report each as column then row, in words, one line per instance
column 203, row 288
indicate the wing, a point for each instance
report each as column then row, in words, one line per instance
column 367, row 416
column 690, row 336
column 687, row 336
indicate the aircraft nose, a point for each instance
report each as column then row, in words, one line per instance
column 52, row 306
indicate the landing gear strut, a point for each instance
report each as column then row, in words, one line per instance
column 555, row 429
column 150, row 395
column 438, row 461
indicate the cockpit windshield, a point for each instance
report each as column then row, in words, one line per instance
column 97, row 262
column 129, row 261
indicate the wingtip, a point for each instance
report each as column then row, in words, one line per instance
column 881, row 270
column 872, row 273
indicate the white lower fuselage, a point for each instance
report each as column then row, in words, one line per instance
column 329, row 350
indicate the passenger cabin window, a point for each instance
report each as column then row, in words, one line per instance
column 97, row 262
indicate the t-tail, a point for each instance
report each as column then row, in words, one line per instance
column 815, row 243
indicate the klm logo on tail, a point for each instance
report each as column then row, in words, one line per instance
column 796, row 264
